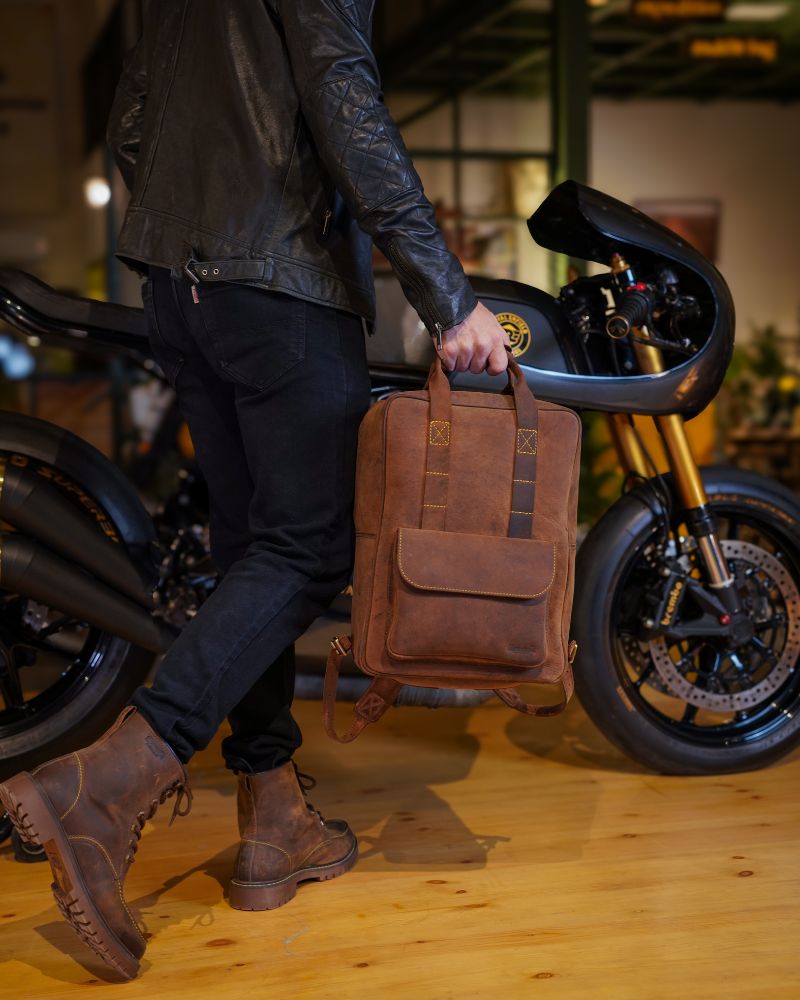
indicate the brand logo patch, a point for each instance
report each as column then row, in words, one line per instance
column 519, row 333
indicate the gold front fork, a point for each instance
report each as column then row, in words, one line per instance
column 679, row 454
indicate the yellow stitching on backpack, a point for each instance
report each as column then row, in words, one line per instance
column 463, row 590
column 439, row 433
column 526, row 440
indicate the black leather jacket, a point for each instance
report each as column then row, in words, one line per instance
column 257, row 147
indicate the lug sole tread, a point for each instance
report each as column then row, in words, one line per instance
column 254, row 896
column 71, row 905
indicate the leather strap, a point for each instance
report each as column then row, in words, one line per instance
column 437, row 462
column 514, row 700
column 523, row 489
column 437, row 468
column 380, row 695
column 226, row 270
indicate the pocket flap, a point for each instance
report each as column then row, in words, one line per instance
column 488, row 565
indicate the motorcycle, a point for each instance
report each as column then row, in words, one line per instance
column 687, row 609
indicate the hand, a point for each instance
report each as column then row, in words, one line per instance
column 477, row 344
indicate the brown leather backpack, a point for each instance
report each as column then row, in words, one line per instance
column 465, row 519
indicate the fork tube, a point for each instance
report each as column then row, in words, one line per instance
column 626, row 443
column 687, row 476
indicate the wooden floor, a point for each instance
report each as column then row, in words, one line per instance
column 501, row 857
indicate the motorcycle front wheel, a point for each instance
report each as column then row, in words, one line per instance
column 700, row 703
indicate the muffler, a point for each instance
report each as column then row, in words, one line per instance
column 28, row 569
column 33, row 506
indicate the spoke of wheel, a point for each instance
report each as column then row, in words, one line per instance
column 687, row 660
column 689, row 714
column 775, row 622
column 644, row 675
column 733, row 529
column 56, row 626
column 766, row 651
column 737, row 663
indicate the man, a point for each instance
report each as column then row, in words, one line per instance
column 261, row 159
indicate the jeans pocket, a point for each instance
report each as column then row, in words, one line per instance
column 254, row 336
column 168, row 358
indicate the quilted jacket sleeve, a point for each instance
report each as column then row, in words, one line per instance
column 337, row 80
column 124, row 130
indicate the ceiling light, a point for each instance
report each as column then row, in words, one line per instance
column 97, row 192
column 757, row 11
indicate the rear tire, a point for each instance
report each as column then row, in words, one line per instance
column 81, row 719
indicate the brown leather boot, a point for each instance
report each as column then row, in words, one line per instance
column 87, row 809
column 285, row 841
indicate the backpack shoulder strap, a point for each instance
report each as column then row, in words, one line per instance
column 514, row 700
column 379, row 696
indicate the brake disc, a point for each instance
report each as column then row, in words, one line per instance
column 775, row 576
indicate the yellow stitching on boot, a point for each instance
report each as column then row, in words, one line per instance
column 80, row 788
column 324, row 843
column 464, row 590
column 263, row 843
column 531, row 481
column 429, row 473
column 137, row 928
column 527, row 513
column 99, row 846
column 434, row 505
column 104, row 852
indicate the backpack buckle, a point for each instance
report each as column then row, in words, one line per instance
column 341, row 644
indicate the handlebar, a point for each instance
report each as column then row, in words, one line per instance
column 634, row 310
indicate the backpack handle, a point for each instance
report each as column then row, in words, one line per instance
column 523, row 493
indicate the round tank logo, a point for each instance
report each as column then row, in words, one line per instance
column 519, row 333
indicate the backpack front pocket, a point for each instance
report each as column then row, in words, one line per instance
column 471, row 599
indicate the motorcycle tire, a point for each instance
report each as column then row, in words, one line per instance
column 651, row 706
column 105, row 676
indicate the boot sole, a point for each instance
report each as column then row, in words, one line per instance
column 271, row 895
column 37, row 823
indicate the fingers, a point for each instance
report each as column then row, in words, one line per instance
column 498, row 360
column 476, row 344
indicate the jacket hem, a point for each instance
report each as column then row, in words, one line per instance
column 158, row 239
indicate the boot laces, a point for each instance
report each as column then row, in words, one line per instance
column 307, row 783
column 183, row 805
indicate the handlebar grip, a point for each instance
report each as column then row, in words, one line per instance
column 633, row 311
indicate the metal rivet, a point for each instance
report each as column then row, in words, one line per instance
column 216, row 270
column 204, row 271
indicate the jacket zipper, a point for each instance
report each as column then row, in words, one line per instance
column 413, row 280
column 326, row 222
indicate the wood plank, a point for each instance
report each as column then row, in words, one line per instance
column 501, row 857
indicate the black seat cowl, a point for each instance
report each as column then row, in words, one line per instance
column 72, row 311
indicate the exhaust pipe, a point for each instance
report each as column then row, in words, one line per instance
column 28, row 569
column 33, row 506
column 309, row 687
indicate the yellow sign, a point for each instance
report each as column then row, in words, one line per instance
column 519, row 333
column 678, row 10
column 735, row 48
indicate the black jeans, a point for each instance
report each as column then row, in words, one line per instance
column 273, row 389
